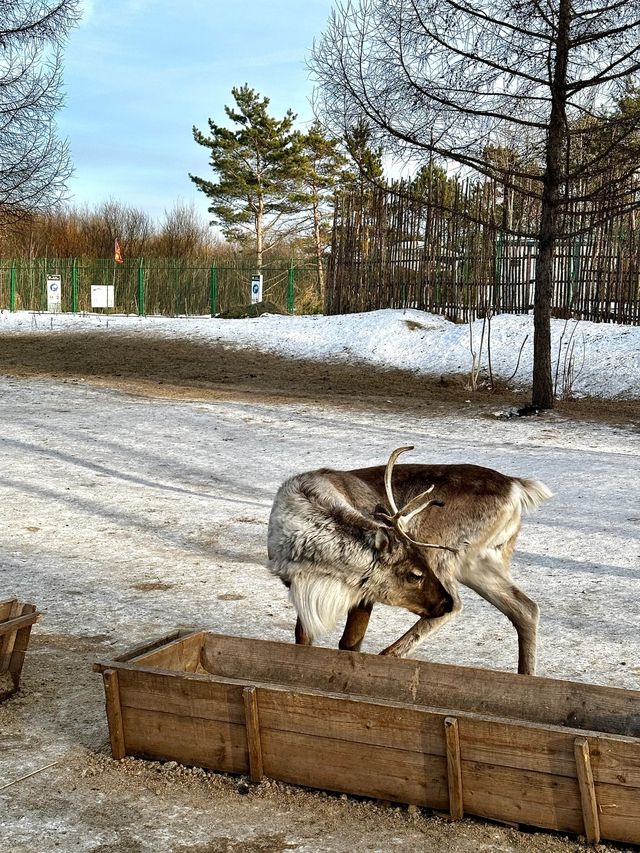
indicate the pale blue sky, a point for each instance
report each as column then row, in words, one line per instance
column 140, row 73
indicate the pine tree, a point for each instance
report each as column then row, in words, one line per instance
column 324, row 166
column 258, row 167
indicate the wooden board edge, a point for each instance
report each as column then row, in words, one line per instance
column 29, row 617
column 141, row 651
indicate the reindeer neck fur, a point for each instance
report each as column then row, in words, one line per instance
column 319, row 545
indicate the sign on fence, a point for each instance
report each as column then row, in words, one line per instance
column 102, row 296
column 256, row 289
column 54, row 293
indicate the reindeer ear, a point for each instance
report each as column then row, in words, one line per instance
column 381, row 513
column 382, row 540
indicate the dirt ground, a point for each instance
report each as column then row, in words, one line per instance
column 78, row 798
column 195, row 370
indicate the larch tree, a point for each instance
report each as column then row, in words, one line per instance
column 34, row 163
column 258, row 166
column 454, row 79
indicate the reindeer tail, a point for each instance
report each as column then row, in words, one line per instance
column 532, row 493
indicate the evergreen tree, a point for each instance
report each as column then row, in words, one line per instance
column 324, row 166
column 368, row 160
column 258, row 167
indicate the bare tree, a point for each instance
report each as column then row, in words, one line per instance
column 456, row 79
column 183, row 234
column 34, row 162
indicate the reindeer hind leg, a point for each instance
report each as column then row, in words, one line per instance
column 489, row 577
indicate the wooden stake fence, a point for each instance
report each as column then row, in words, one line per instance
column 448, row 251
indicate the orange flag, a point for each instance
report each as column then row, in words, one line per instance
column 117, row 254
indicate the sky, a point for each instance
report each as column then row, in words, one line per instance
column 139, row 74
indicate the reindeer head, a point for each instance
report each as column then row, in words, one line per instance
column 411, row 581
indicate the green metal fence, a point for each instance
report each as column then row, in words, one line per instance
column 169, row 287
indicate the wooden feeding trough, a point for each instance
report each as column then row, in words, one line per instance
column 553, row 754
column 16, row 619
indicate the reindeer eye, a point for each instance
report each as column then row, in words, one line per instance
column 415, row 575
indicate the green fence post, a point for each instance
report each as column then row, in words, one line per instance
column 213, row 290
column 141, row 288
column 12, row 287
column 291, row 289
column 74, row 286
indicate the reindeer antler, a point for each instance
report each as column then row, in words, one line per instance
column 401, row 517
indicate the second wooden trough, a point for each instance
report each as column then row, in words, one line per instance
column 16, row 621
column 553, row 754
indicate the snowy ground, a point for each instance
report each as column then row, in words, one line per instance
column 124, row 516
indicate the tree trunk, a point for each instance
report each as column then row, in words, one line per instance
column 542, row 397
column 259, row 240
column 318, row 245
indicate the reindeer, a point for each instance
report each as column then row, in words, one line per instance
column 339, row 542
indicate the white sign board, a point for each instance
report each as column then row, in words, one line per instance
column 54, row 293
column 102, row 296
column 256, row 289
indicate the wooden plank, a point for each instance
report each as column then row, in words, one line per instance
column 28, row 617
column 175, row 694
column 509, row 743
column 484, row 740
column 363, row 721
column 547, row 801
column 7, row 608
column 502, row 694
column 387, row 774
column 618, row 813
column 138, row 650
column 114, row 714
column 189, row 740
column 180, row 653
column 18, row 654
column 521, row 797
column 587, row 791
column 530, row 746
column 250, row 696
column 454, row 769
column 8, row 636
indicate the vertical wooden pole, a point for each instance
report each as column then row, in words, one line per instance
column 454, row 768
column 20, row 644
column 114, row 713
column 250, row 697
column 587, row 790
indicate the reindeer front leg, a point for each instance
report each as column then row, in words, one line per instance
column 302, row 637
column 355, row 628
column 418, row 633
